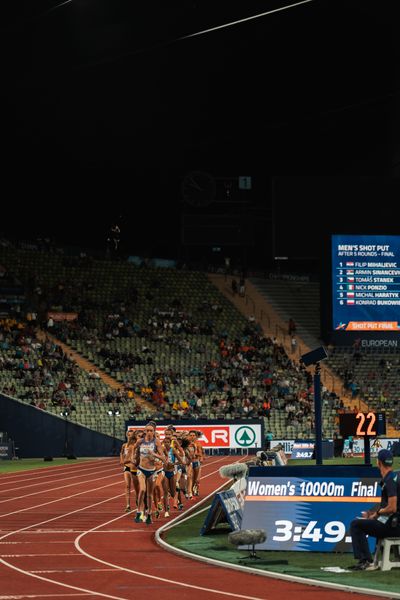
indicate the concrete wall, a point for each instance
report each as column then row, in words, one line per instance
column 37, row 433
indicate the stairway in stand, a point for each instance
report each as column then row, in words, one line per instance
column 256, row 304
column 88, row 366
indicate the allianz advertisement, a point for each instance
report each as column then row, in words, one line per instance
column 358, row 445
column 308, row 510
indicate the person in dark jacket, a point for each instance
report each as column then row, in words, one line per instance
column 382, row 522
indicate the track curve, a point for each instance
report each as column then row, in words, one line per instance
column 69, row 539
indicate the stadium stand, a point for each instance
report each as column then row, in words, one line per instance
column 371, row 374
column 40, row 373
column 299, row 300
column 169, row 336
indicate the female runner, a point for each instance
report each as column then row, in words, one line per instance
column 159, row 479
column 148, row 450
column 196, row 464
column 170, row 469
column 126, row 458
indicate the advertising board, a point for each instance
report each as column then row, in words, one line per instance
column 308, row 508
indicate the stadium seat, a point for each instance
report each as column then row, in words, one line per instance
column 382, row 553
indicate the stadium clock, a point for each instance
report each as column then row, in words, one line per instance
column 198, row 188
column 362, row 424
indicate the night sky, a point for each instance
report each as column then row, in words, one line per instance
column 104, row 111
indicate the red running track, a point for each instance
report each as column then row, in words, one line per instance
column 63, row 535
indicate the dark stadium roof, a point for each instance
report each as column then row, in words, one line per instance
column 110, row 98
column 99, row 83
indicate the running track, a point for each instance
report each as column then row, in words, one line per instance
column 63, row 535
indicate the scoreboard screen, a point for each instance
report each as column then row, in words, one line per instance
column 366, row 283
column 294, row 505
column 362, row 424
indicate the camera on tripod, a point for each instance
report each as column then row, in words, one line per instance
column 265, row 459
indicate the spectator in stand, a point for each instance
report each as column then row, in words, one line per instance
column 291, row 327
column 114, row 237
column 199, row 404
column 266, row 407
column 268, row 439
column 242, row 287
column 234, row 287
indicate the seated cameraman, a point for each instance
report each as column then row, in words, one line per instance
column 382, row 523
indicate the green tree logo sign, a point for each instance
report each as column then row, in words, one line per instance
column 245, row 436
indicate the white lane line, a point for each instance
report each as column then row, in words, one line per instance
column 58, row 470
column 59, row 500
column 37, row 576
column 82, row 473
column 73, row 571
column 60, row 487
column 40, row 532
column 22, row 596
column 155, row 577
column 80, row 493
column 118, row 531
column 26, row 555
column 34, row 542
column 64, row 585
column 51, row 531
column 63, row 515
column 253, row 570
column 43, row 472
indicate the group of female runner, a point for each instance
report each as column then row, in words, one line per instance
column 160, row 471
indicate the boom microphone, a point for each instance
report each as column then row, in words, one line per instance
column 247, row 537
column 235, row 471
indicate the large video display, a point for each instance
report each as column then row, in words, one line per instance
column 293, row 504
column 366, row 282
